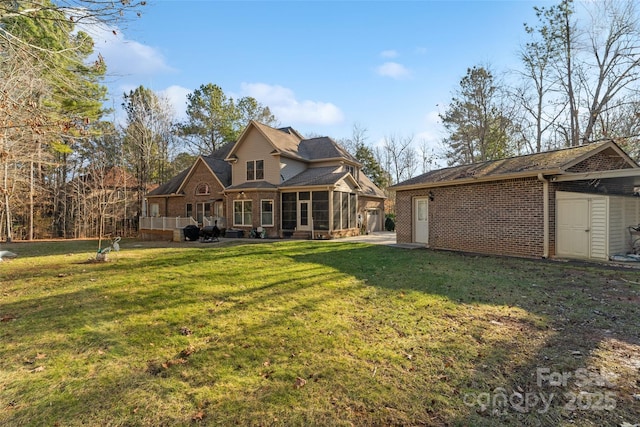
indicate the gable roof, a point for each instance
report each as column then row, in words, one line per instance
column 554, row 162
column 369, row 189
column 288, row 142
column 323, row 148
column 171, row 186
column 284, row 140
column 216, row 164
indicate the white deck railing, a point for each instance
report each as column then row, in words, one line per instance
column 172, row 223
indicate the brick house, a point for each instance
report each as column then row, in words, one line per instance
column 273, row 180
column 575, row 203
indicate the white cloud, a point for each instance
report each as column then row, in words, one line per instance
column 177, row 98
column 393, row 70
column 123, row 56
column 421, row 50
column 432, row 117
column 389, row 54
column 290, row 111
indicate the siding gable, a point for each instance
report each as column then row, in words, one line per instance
column 254, row 146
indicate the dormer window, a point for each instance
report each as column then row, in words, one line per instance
column 255, row 170
column 352, row 170
column 202, row 189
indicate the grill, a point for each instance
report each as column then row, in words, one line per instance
column 191, row 232
column 210, row 233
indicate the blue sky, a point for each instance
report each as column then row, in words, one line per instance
column 321, row 66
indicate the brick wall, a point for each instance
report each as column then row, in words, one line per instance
column 256, row 198
column 201, row 175
column 175, row 206
column 502, row 217
column 605, row 160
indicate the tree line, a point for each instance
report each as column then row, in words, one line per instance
column 61, row 158
column 577, row 83
column 67, row 171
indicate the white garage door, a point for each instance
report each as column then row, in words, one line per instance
column 373, row 221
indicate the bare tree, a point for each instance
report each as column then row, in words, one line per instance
column 84, row 12
column 427, row 156
column 614, row 48
column 148, row 137
column 584, row 72
column 358, row 138
column 398, row 156
column 21, row 129
column 535, row 95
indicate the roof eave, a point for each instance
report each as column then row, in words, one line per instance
column 528, row 174
column 581, row 176
column 165, row 195
column 307, row 187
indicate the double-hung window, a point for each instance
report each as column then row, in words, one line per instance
column 242, row 210
column 266, row 213
column 255, row 170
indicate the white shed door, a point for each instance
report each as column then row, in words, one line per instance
column 573, row 238
column 421, row 220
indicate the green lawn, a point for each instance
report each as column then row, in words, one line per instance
column 313, row 333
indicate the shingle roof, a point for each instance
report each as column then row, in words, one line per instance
column 252, row 185
column 171, row 186
column 369, row 188
column 221, row 168
column 532, row 164
column 288, row 142
column 322, row 148
column 284, row 141
column 316, row 176
column 216, row 163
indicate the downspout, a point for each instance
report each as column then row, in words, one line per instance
column 545, row 215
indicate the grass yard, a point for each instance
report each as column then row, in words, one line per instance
column 313, row 333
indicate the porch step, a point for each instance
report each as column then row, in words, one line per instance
column 301, row 235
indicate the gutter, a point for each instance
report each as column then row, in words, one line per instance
column 545, row 214
column 516, row 175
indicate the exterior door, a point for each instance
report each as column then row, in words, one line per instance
column 573, row 234
column 202, row 210
column 304, row 215
column 421, row 220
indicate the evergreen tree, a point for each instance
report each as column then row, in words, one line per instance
column 70, row 96
column 478, row 129
column 215, row 119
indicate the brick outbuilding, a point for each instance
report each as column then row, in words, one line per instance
column 576, row 203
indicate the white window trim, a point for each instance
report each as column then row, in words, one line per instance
column 255, row 170
column 207, row 189
column 272, row 212
column 242, row 202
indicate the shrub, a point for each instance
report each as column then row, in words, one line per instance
column 389, row 224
